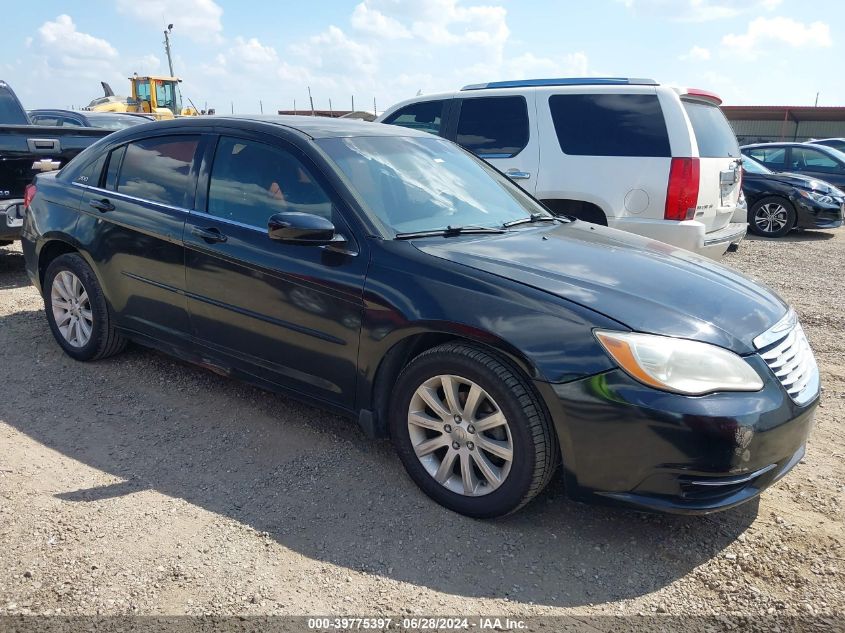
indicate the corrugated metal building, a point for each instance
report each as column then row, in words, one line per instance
column 759, row 124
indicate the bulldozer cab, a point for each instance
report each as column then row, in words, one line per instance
column 159, row 96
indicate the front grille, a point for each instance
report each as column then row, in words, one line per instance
column 790, row 358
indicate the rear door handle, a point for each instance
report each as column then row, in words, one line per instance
column 102, row 205
column 515, row 174
column 210, row 235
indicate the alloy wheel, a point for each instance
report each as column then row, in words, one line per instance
column 771, row 217
column 460, row 435
column 71, row 309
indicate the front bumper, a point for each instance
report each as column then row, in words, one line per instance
column 688, row 234
column 11, row 219
column 812, row 215
column 625, row 443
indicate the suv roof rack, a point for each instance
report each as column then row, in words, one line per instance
column 564, row 81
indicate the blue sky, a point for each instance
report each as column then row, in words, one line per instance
column 748, row 51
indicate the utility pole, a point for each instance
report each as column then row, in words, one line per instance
column 353, row 103
column 375, row 112
column 331, row 110
column 167, row 48
column 817, row 100
column 261, row 106
column 311, row 100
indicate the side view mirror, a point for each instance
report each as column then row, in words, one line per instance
column 301, row 228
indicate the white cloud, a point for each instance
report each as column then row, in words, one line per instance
column 698, row 10
column 763, row 33
column 62, row 39
column 335, row 53
column 197, row 19
column 374, row 22
column 144, row 65
column 529, row 65
column 696, row 54
column 252, row 53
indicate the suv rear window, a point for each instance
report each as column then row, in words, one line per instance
column 425, row 115
column 715, row 136
column 158, row 169
column 493, row 127
column 610, row 125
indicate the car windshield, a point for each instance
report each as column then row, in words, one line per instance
column 835, row 153
column 753, row 167
column 427, row 184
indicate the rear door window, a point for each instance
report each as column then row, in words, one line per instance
column 493, row 127
column 772, row 157
column 713, row 133
column 42, row 119
column 809, row 159
column 425, row 115
column 610, row 125
column 159, row 170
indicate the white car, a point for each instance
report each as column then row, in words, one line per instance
column 655, row 160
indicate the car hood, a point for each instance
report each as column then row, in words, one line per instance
column 805, row 182
column 646, row 285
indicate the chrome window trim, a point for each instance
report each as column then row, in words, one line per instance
column 218, row 218
column 124, row 196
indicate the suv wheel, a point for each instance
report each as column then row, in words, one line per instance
column 77, row 311
column 771, row 217
column 470, row 432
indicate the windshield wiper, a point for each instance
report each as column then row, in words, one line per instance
column 534, row 217
column 449, row 231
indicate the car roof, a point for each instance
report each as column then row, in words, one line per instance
column 323, row 127
column 784, row 144
column 311, row 127
column 56, row 111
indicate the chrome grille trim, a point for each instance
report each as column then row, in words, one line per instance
column 785, row 349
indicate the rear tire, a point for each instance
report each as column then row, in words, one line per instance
column 77, row 311
column 772, row 216
column 486, row 451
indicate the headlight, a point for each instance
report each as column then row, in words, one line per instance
column 679, row 365
column 821, row 198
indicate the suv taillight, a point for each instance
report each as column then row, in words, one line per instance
column 682, row 192
column 28, row 195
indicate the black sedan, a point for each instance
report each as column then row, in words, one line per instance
column 395, row 278
column 808, row 159
column 780, row 202
column 76, row 118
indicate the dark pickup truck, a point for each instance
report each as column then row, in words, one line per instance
column 26, row 150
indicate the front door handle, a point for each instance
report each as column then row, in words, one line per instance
column 102, row 205
column 515, row 174
column 210, row 235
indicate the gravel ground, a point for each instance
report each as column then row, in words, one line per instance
column 141, row 485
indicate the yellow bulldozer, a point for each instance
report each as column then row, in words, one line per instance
column 159, row 96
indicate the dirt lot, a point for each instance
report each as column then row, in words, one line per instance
column 143, row 485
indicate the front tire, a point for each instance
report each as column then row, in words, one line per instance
column 77, row 311
column 772, row 216
column 470, row 431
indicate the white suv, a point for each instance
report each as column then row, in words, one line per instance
column 630, row 153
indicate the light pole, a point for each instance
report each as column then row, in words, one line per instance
column 167, row 48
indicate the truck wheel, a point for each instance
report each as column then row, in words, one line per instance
column 77, row 311
column 772, row 216
column 470, row 431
